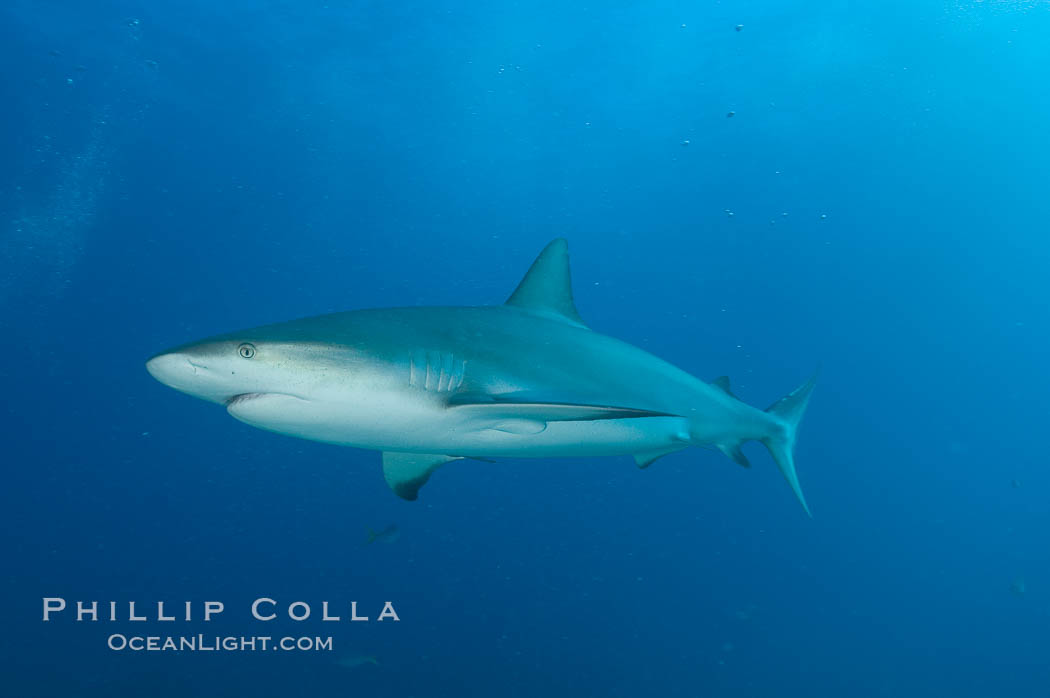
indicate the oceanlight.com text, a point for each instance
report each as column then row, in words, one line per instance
column 216, row 643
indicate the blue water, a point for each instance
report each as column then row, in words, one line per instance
column 174, row 170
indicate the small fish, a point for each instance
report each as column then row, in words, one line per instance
column 390, row 534
column 746, row 613
column 357, row 660
column 1018, row 586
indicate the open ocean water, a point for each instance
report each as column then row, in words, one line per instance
column 752, row 189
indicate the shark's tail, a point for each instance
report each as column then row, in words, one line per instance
column 787, row 413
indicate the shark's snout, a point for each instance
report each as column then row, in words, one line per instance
column 189, row 374
column 171, row 368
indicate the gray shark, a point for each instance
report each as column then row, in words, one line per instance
column 431, row 385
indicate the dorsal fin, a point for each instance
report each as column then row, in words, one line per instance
column 547, row 286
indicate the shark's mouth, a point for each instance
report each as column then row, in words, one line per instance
column 275, row 411
column 243, row 399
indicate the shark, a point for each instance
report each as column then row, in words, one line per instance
column 430, row 385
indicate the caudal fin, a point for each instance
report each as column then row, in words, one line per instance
column 788, row 413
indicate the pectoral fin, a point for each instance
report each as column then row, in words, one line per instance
column 407, row 472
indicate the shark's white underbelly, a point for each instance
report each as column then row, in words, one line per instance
column 584, row 438
column 420, row 427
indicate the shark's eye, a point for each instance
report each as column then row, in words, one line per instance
column 246, row 350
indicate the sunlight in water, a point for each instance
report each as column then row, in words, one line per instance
column 47, row 237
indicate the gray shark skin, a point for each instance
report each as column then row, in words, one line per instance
column 433, row 384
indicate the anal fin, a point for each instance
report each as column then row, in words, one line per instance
column 407, row 472
column 735, row 454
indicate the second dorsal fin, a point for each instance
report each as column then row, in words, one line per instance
column 547, row 286
column 722, row 383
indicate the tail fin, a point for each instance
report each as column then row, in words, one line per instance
column 788, row 413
